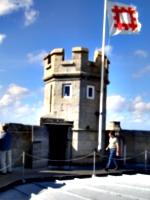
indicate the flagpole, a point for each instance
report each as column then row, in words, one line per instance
column 100, row 130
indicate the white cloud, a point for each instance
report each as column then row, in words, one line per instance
column 137, row 99
column 116, row 103
column 13, row 108
column 132, row 113
column 30, row 17
column 141, row 53
column 23, row 113
column 108, row 50
column 142, row 72
column 13, row 95
column 141, row 107
column 6, row 100
column 1, row 87
column 9, row 6
column 16, row 90
column 36, row 57
column 2, row 37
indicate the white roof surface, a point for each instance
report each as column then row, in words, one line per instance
column 125, row 187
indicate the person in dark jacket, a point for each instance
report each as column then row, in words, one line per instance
column 5, row 150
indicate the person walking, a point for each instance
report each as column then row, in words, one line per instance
column 113, row 147
column 5, row 150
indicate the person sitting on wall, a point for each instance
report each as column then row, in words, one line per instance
column 113, row 147
column 5, row 150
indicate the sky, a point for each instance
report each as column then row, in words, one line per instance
column 29, row 29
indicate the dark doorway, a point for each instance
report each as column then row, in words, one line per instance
column 57, row 144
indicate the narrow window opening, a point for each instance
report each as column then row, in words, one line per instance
column 67, row 91
column 51, row 87
column 90, row 92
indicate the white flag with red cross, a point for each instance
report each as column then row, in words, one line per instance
column 123, row 19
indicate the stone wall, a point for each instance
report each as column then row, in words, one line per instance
column 136, row 143
column 22, row 141
column 40, row 146
column 83, row 144
column 33, row 140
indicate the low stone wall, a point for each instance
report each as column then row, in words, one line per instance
column 136, row 143
column 33, row 140
column 22, row 141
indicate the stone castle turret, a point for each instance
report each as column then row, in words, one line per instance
column 72, row 93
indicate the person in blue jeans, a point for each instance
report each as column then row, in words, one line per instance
column 113, row 147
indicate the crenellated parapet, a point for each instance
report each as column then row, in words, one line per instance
column 55, row 65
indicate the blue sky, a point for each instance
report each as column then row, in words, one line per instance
column 29, row 29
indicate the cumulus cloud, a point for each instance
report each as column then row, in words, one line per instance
column 129, row 112
column 23, row 113
column 116, row 103
column 30, row 16
column 142, row 72
column 36, row 57
column 9, row 6
column 108, row 50
column 141, row 53
column 2, row 37
column 16, row 90
column 13, row 108
column 141, row 108
column 137, row 99
column 6, row 100
column 13, row 95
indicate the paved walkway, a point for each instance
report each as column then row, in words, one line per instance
column 18, row 176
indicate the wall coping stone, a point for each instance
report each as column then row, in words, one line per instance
column 80, row 49
column 57, row 51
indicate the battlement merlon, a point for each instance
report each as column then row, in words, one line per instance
column 98, row 59
column 56, row 55
column 54, row 62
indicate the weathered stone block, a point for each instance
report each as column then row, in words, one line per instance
column 87, row 136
